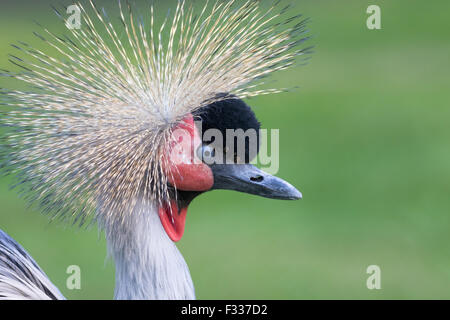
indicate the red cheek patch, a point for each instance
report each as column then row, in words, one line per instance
column 184, row 169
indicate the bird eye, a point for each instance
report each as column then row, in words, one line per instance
column 206, row 153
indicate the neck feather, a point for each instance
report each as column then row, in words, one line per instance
column 148, row 264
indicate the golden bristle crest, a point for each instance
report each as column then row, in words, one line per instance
column 92, row 132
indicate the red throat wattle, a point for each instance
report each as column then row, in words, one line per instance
column 173, row 220
column 186, row 172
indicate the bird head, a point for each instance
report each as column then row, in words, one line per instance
column 198, row 164
column 116, row 119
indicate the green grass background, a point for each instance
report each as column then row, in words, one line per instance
column 366, row 139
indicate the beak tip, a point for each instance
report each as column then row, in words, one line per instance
column 292, row 193
column 297, row 195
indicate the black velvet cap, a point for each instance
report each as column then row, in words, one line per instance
column 232, row 113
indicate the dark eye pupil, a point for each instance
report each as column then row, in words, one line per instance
column 210, row 152
column 206, row 152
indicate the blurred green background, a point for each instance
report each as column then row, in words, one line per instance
column 366, row 138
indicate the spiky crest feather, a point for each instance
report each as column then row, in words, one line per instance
column 92, row 132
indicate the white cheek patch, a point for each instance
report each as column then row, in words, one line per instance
column 183, row 167
column 183, row 147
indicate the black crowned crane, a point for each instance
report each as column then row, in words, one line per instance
column 112, row 132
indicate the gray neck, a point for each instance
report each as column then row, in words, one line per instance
column 148, row 264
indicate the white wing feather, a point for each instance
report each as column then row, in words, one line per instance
column 20, row 276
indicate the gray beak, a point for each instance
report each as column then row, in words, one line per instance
column 249, row 179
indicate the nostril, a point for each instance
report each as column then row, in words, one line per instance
column 257, row 179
